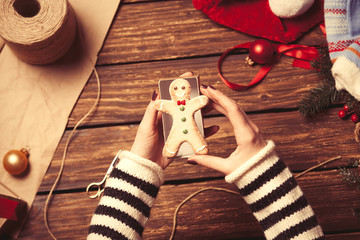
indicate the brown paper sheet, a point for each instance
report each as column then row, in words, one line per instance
column 1, row 44
column 36, row 101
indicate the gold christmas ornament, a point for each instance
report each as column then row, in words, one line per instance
column 16, row 161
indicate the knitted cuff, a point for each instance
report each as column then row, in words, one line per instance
column 129, row 194
column 266, row 155
column 275, row 198
column 145, row 169
column 347, row 76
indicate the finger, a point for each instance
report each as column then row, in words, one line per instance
column 187, row 74
column 220, row 98
column 151, row 114
column 213, row 106
column 212, row 162
column 160, row 128
column 209, row 131
column 242, row 125
column 232, row 110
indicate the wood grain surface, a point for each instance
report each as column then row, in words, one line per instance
column 211, row 214
column 154, row 39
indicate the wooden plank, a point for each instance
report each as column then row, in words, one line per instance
column 126, row 89
column 342, row 236
column 209, row 215
column 300, row 142
column 159, row 30
column 203, row 217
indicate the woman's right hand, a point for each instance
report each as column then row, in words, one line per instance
column 248, row 137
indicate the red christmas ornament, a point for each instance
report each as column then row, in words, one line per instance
column 342, row 114
column 354, row 118
column 261, row 51
column 346, row 108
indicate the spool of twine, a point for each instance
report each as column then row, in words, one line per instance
column 37, row 31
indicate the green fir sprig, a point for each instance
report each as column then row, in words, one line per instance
column 325, row 93
column 319, row 98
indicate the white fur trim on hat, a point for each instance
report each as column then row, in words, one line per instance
column 347, row 76
column 289, row 8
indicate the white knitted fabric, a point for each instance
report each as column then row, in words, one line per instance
column 129, row 193
column 275, row 198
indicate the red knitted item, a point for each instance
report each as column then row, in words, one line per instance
column 255, row 18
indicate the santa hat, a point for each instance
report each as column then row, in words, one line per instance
column 258, row 19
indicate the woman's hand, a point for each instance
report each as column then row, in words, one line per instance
column 248, row 137
column 149, row 139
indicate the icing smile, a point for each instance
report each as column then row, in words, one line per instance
column 180, row 94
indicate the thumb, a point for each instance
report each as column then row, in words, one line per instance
column 212, row 162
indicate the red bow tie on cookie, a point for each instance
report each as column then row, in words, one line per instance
column 182, row 102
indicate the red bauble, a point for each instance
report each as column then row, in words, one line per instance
column 354, row 118
column 342, row 114
column 346, row 108
column 261, row 51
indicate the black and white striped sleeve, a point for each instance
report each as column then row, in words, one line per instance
column 275, row 198
column 128, row 196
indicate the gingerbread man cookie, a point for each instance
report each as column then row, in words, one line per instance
column 182, row 110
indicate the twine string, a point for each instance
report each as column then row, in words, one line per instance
column 91, row 110
column 66, row 148
column 232, row 192
column 37, row 31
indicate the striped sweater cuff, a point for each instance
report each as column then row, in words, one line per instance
column 236, row 176
column 129, row 193
column 275, row 198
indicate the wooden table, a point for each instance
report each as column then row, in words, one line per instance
column 149, row 40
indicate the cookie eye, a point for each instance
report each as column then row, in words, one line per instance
column 175, row 88
column 183, row 87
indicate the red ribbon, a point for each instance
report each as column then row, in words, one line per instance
column 7, row 208
column 181, row 102
column 303, row 55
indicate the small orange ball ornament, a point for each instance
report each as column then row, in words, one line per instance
column 16, row 161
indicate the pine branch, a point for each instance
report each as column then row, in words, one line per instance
column 325, row 93
column 322, row 65
column 318, row 99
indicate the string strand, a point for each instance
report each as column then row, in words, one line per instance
column 316, row 166
column 232, row 192
column 66, row 148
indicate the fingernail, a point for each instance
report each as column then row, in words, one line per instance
column 192, row 162
column 154, row 95
column 212, row 87
column 204, row 86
